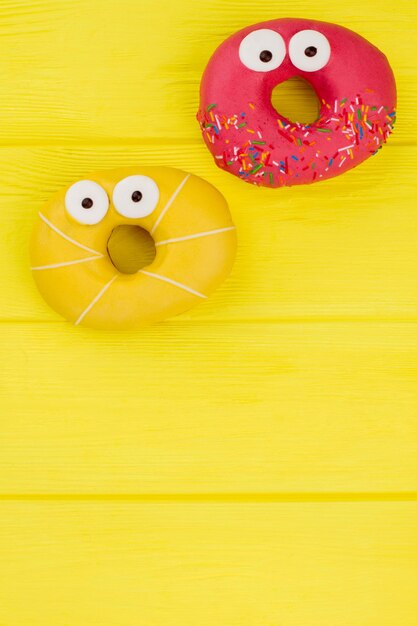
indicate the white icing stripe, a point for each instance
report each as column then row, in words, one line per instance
column 64, row 264
column 195, row 236
column 95, row 300
column 173, row 282
column 64, row 236
column 168, row 204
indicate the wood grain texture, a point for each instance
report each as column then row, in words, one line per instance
column 342, row 248
column 151, row 564
column 209, row 407
column 250, row 463
column 92, row 70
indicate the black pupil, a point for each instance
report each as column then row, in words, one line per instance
column 311, row 51
column 136, row 196
column 265, row 56
column 87, row 203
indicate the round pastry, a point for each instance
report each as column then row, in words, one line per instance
column 250, row 139
column 73, row 263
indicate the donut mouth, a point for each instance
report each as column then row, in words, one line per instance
column 296, row 100
column 130, row 248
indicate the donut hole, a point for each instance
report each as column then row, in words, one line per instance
column 296, row 100
column 130, row 248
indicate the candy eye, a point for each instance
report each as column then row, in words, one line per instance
column 135, row 196
column 262, row 50
column 309, row 50
column 86, row 202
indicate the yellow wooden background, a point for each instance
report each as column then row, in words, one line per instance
column 251, row 463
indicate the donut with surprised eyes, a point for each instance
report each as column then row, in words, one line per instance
column 193, row 235
column 250, row 139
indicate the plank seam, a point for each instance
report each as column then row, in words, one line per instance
column 221, row 498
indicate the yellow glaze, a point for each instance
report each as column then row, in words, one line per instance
column 195, row 242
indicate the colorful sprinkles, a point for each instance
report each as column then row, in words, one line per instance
column 364, row 129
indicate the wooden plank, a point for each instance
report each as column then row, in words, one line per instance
column 343, row 248
column 75, row 71
column 209, row 407
column 117, row 564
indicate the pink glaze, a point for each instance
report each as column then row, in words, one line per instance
column 250, row 139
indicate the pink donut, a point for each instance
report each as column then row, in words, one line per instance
column 250, row 139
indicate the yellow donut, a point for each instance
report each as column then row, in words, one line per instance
column 187, row 218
